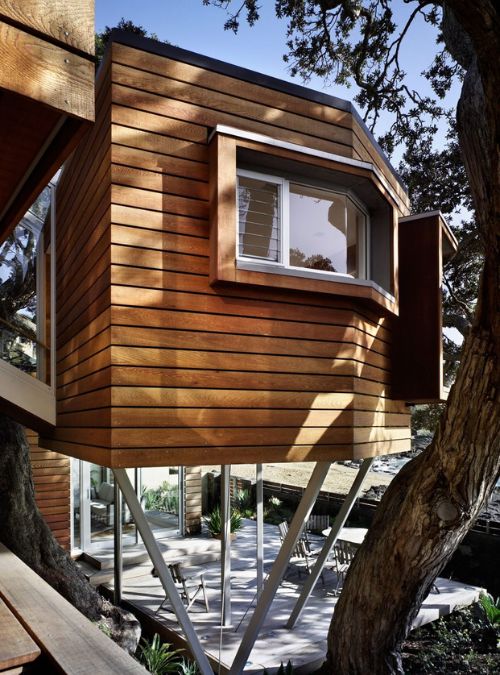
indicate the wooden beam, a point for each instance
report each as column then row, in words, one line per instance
column 46, row 73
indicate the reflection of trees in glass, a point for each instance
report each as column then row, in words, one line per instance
column 314, row 262
column 18, row 288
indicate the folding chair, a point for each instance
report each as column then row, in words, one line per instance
column 343, row 555
column 186, row 590
column 302, row 557
column 283, row 528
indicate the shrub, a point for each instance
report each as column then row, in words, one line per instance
column 214, row 521
column 158, row 657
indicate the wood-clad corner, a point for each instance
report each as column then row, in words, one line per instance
column 52, row 482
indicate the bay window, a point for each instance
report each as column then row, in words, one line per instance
column 300, row 228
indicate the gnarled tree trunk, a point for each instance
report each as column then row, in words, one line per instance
column 24, row 530
column 434, row 500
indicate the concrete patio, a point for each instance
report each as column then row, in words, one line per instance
column 304, row 646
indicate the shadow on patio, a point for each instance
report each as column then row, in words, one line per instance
column 304, row 646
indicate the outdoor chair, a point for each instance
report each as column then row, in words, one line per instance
column 343, row 555
column 318, row 523
column 283, row 528
column 188, row 590
column 302, row 558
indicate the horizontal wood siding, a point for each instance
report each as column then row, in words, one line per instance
column 52, row 481
column 160, row 367
column 83, row 279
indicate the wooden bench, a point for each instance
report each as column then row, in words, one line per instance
column 16, row 646
column 71, row 642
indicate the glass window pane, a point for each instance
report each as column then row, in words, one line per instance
column 324, row 230
column 258, row 218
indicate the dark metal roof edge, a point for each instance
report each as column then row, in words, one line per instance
column 252, row 76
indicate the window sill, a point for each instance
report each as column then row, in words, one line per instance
column 259, row 273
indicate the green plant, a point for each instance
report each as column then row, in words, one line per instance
column 462, row 642
column 164, row 498
column 491, row 608
column 214, row 521
column 244, row 503
column 104, row 628
column 158, row 657
column 187, row 667
column 275, row 511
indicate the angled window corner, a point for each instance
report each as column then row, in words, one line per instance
column 425, row 243
column 27, row 363
column 287, row 216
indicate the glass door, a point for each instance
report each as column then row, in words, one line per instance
column 93, row 507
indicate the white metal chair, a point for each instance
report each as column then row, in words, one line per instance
column 188, row 591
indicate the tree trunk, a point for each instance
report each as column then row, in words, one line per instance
column 434, row 500
column 24, row 531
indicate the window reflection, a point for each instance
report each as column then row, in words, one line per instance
column 325, row 228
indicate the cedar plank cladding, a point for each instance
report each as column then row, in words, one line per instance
column 157, row 366
column 51, row 478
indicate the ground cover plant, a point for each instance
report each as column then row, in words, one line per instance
column 465, row 641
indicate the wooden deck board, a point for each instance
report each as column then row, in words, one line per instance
column 16, row 646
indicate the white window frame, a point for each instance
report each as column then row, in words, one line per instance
column 282, row 266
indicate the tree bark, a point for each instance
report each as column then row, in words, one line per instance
column 434, row 500
column 24, row 531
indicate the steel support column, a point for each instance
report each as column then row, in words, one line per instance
column 118, row 548
column 259, row 494
column 164, row 575
column 339, row 523
column 280, row 565
column 226, row 544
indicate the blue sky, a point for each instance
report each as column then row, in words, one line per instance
column 191, row 25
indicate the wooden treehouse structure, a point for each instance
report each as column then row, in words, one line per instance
column 238, row 279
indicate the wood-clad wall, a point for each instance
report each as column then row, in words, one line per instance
column 83, row 281
column 163, row 368
column 52, row 480
column 192, row 499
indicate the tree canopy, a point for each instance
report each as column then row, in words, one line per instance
column 436, row 497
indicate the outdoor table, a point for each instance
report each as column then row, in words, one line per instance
column 354, row 535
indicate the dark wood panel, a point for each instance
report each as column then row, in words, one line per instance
column 417, row 360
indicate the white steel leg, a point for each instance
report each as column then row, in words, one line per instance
column 259, row 490
column 280, row 565
column 340, row 520
column 226, row 544
column 164, row 575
